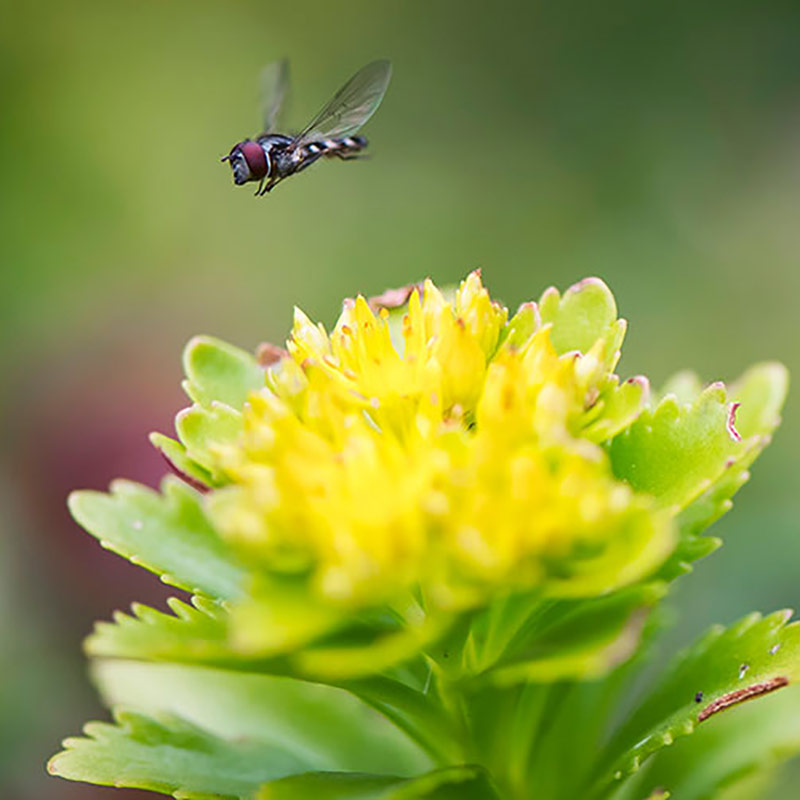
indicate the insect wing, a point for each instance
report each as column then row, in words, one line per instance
column 351, row 106
column 274, row 85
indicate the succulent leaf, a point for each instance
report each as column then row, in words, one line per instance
column 576, row 640
column 190, row 634
column 584, row 314
column 218, row 372
column 616, row 407
column 205, row 431
column 178, row 459
column 729, row 755
column 167, row 533
column 677, row 452
column 297, row 715
column 760, row 394
column 169, row 755
column 752, row 658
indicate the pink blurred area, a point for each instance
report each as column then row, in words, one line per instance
column 80, row 418
column 85, row 422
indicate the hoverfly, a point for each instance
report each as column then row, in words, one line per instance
column 272, row 156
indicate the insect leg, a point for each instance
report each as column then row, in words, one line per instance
column 345, row 156
column 309, row 160
column 260, row 186
column 269, row 186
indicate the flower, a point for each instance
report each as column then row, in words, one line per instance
column 445, row 449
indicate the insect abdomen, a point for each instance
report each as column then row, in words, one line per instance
column 354, row 142
column 347, row 144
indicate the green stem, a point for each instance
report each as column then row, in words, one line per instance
column 453, row 703
column 413, row 712
column 523, row 729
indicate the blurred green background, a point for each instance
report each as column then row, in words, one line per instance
column 656, row 145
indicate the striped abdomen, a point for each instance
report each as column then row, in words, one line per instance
column 345, row 146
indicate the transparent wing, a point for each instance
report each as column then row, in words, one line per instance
column 274, row 90
column 351, row 106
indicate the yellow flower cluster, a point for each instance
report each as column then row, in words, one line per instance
column 448, row 449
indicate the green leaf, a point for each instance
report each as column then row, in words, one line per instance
column 696, row 518
column 755, row 786
column 325, row 727
column 551, row 734
column 676, row 452
column 731, row 749
column 521, row 326
column 320, row 639
column 752, row 658
column 201, row 636
column 685, row 386
column 220, row 378
column 166, row 754
column 616, row 408
column 219, row 372
column 641, row 544
column 175, row 454
column 573, row 640
column 761, row 392
column 166, row 533
column 452, row 783
column 191, row 634
column 418, row 713
column 204, row 429
column 586, row 313
column 681, row 452
column 346, row 660
column 283, row 617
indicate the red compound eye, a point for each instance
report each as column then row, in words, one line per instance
column 256, row 160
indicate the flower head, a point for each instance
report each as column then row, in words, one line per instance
column 446, row 449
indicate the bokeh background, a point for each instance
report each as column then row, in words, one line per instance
column 656, row 145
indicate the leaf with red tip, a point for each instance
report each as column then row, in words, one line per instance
column 751, row 659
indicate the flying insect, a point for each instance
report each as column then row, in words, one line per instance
column 272, row 157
